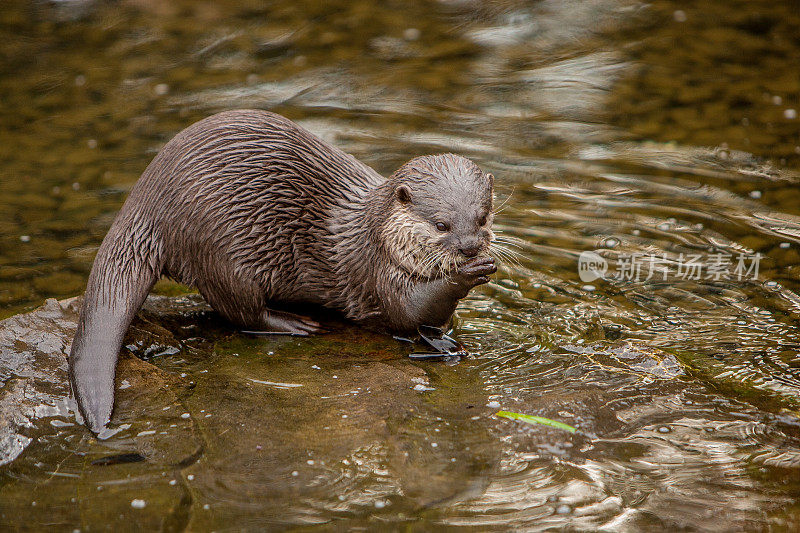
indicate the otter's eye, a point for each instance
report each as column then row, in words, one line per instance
column 441, row 226
column 482, row 221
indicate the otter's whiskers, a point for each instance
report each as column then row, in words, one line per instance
column 500, row 247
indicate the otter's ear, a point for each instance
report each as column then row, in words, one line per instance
column 403, row 194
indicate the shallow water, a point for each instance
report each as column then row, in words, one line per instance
column 612, row 126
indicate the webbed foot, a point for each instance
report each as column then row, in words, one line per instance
column 285, row 323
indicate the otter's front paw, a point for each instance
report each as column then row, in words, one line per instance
column 474, row 272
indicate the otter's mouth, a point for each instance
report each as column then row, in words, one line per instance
column 461, row 259
column 464, row 258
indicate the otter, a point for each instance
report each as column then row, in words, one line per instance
column 259, row 214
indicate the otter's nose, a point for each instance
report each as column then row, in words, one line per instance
column 470, row 250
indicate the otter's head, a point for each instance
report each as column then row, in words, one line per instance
column 441, row 214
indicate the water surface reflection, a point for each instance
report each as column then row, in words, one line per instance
column 614, row 126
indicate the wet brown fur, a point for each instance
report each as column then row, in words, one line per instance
column 254, row 210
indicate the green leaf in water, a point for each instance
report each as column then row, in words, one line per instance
column 536, row 420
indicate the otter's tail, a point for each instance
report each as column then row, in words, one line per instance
column 127, row 265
